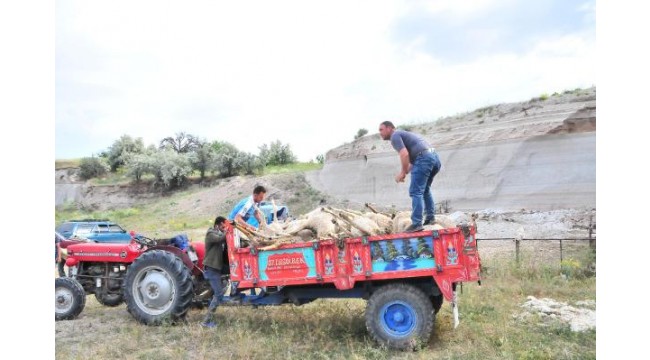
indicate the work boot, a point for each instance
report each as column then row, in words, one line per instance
column 209, row 321
column 414, row 228
column 429, row 221
column 61, row 268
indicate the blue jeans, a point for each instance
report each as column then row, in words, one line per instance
column 214, row 278
column 423, row 170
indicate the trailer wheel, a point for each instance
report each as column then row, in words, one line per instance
column 158, row 288
column 69, row 298
column 400, row 316
column 436, row 301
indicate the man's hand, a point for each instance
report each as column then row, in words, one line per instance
column 400, row 177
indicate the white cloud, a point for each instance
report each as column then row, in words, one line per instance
column 309, row 74
column 460, row 9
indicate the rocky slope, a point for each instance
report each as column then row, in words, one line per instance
column 539, row 154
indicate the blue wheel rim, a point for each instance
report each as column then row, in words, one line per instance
column 398, row 319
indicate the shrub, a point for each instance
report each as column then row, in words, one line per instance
column 225, row 160
column 277, row 154
column 92, row 167
column 202, row 157
column 360, row 133
column 121, row 149
column 248, row 163
column 171, row 168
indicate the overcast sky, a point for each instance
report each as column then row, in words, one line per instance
column 307, row 73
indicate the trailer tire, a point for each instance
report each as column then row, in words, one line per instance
column 158, row 288
column 436, row 301
column 400, row 316
column 69, row 298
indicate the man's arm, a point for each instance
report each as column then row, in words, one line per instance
column 214, row 237
column 258, row 216
column 406, row 165
column 240, row 220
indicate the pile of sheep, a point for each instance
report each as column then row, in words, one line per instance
column 332, row 223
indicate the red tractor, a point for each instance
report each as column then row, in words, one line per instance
column 155, row 290
column 403, row 276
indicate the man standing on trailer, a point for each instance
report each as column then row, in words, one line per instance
column 421, row 160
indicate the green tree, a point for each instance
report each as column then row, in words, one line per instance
column 92, row 167
column 119, row 152
column 360, row 133
column 225, row 161
column 171, row 168
column 202, row 157
column 248, row 164
column 320, row 158
column 181, row 143
column 139, row 165
column 277, row 154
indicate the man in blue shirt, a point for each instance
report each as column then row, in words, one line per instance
column 249, row 207
column 418, row 158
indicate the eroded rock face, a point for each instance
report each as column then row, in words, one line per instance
column 539, row 154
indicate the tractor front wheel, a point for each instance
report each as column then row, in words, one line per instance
column 69, row 298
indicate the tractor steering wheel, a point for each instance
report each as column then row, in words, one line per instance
column 145, row 241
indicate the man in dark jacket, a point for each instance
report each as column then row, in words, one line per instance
column 215, row 241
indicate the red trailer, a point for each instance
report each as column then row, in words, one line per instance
column 403, row 276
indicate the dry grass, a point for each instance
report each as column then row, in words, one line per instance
column 335, row 329
column 66, row 163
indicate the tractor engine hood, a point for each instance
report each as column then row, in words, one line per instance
column 103, row 252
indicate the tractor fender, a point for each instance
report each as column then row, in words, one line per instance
column 176, row 251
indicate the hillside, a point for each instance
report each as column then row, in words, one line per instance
column 538, row 154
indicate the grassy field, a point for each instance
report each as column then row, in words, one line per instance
column 297, row 167
column 66, row 163
column 120, row 177
column 335, row 329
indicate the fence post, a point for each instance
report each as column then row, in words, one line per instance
column 517, row 241
column 561, row 257
column 592, row 242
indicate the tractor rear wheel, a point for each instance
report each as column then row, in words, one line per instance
column 158, row 288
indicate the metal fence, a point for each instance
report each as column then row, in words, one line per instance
column 591, row 238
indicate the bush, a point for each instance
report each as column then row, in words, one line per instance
column 92, row 167
column 138, row 165
column 277, row 154
column 202, row 157
column 225, row 160
column 360, row 133
column 121, row 149
column 171, row 168
column 248, row 164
